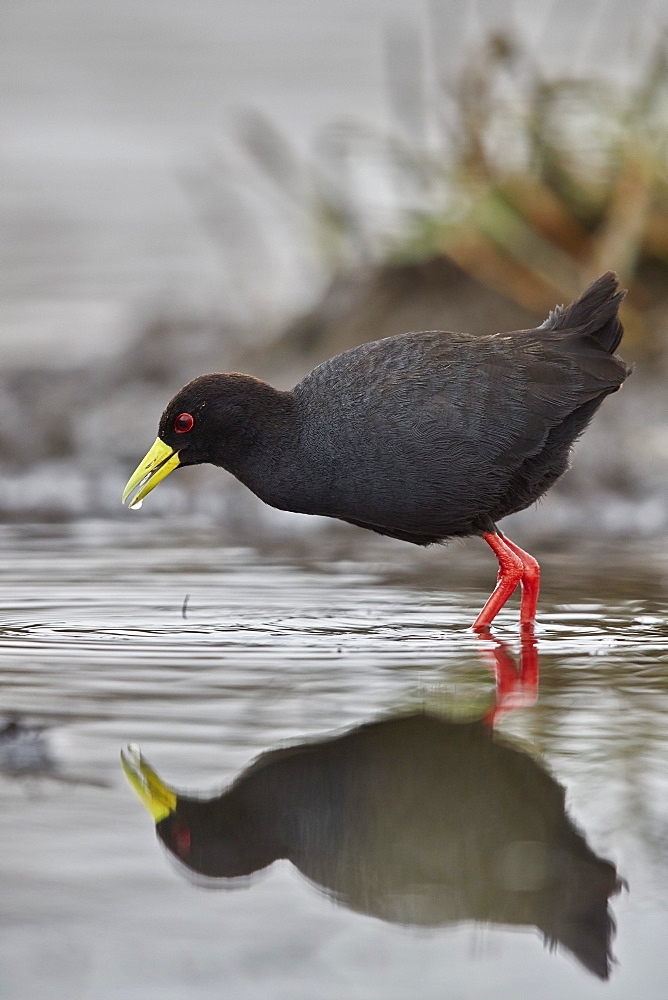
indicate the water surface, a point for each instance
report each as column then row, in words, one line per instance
column 293, row 644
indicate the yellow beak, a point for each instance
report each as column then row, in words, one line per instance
column 156, row 464
column 153, row 793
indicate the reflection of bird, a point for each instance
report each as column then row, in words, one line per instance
column 422, row 437
column 415, row 820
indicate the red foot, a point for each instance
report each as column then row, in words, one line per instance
column 515, row 566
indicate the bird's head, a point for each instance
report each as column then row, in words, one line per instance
column 216, row 837
column 215, row 418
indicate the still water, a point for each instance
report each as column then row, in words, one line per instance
column 403, row 847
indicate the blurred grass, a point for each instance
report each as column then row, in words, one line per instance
column 530, row 184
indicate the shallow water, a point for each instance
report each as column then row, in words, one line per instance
column 297, row 642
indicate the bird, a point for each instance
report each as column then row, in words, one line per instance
column 421, row 437
column 414, row 819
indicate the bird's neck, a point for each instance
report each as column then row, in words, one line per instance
column 260, row 434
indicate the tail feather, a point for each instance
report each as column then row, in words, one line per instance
column 594, row 313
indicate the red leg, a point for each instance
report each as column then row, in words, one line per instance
column 511, row 571
column 530, row 584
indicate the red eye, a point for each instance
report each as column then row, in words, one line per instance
column 183, row 423
column 181, row 838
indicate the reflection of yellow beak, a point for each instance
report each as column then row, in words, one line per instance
column 154, row 794
column 158, row 463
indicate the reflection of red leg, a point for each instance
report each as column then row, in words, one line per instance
column 514, row 688
column 530, row 584
column 511, row 570
column 529, row 669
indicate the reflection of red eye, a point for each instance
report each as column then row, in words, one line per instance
column 184, row 423
column 181, row 838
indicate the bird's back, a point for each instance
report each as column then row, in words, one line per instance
column 428, row 435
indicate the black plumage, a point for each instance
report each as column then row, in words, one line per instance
column 415, row 820
column 422, row 436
